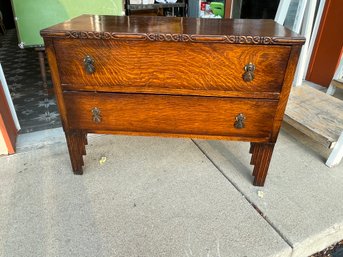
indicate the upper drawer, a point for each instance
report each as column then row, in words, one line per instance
column 170, row 67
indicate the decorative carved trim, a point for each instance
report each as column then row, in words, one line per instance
column 232, row 39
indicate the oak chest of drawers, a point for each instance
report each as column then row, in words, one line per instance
column 182, row 77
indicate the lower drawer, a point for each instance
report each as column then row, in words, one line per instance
column 168, row 114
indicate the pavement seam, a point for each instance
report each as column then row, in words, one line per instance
column 245, row 197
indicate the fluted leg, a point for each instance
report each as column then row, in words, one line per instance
column 261, row 156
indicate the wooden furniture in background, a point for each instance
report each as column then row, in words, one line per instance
column 320, row 116
column 2, row 25
column 41, row 58
column 335, row 83
column 179, row 77
column 309, row 110
column 337, row 80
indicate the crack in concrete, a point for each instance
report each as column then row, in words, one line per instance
column 245, row 197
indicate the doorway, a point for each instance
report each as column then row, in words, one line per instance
column 35, row 107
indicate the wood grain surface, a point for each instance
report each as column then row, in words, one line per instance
column 261, row 156
column 307, row 111
column 286, row 88
column 55, row 76
column 178, row 77
column 230, row 31
column 170, row 114
column 169, row 65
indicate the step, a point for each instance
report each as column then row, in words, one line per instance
column 338, row 83
column 316, row 114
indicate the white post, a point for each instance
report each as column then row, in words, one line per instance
column 306, row 31
column 299, row 16
column 338, row 74
column 336, row 154
column 282, row 11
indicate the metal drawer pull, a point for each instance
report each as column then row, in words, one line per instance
column 96, row 115
column 89, row 64
column 239, row 123
column 249, row 72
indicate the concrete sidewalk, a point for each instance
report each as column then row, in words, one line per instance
column 166, row 197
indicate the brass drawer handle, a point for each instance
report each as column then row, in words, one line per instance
column 96, row 115
column 239, row 123
column 249, row 72
column 89, row 64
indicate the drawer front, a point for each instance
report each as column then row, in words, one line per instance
column 188, row 115
column 149, row 66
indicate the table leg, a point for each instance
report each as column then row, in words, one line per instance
column 2, row 26
column 76, row 141
column 261, row 156
column 41, row 57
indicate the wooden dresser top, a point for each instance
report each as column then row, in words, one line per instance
column 235, row 31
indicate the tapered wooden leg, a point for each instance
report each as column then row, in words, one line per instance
column 253, row 151
column 251, row 147
column 76, row 147
column 85, row 138
column 261, row 156
column 84, row 142
column 254, row 158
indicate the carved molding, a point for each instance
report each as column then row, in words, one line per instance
column 232, row 39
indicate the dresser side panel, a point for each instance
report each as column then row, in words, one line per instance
column 286, row 88
column 51, row 54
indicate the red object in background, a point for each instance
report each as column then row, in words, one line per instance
column 203, row 6
column 327, row 49
column 7, row 126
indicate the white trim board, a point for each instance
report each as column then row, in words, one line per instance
column 8, row 98
column 282, row 10
column 306, row 31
